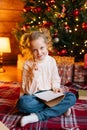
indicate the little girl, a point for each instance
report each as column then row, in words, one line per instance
column 41, row 73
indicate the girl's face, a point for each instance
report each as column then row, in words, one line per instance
column 39, row 48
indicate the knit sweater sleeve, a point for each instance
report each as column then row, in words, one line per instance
column 29, row 80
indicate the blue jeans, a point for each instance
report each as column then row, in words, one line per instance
column 30, row 104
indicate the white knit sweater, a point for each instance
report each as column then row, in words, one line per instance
column 45, row 78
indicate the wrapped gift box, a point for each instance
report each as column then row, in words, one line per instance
column 65, row 68
column 79, row 72
column 66, row 73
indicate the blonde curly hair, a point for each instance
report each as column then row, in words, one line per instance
column 28, row 37
column 24, row 41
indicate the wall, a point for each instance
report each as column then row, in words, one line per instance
column 10, row 14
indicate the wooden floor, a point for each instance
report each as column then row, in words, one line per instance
column 11, row 74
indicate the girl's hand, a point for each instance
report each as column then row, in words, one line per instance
column 57, row 90
column 35, row 67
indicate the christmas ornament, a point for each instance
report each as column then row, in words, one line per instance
column 56, row 40
column 38, row 9
column 47, row 24
column 26, row 26
column 84, row 26
column 58, row 53
column 48, row 9
column 50, row 2
column 63, row 52
column 76, row 12
column 26, row 9
column 63, row 8
column 55, row 34
column 66, row 27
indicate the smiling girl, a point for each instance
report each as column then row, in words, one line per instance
column 39, row 74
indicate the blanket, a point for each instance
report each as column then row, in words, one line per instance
column 9, row 115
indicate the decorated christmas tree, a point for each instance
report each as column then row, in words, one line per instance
column 66, row 20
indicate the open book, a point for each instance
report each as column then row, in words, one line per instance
column 49, row 97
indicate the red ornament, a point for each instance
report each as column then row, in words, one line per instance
column 48, row 9
column 58, row 53
column 26, row 9
column 38, row 9
column 55, row 35
column 76, row 12
column 47, row 24
column 84, row 26
column 63, row 52
column 66, row 27
column 50, row 2
column 26, row 26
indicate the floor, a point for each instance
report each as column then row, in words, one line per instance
column 11, row 74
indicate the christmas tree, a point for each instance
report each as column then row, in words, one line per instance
column 66, row 20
